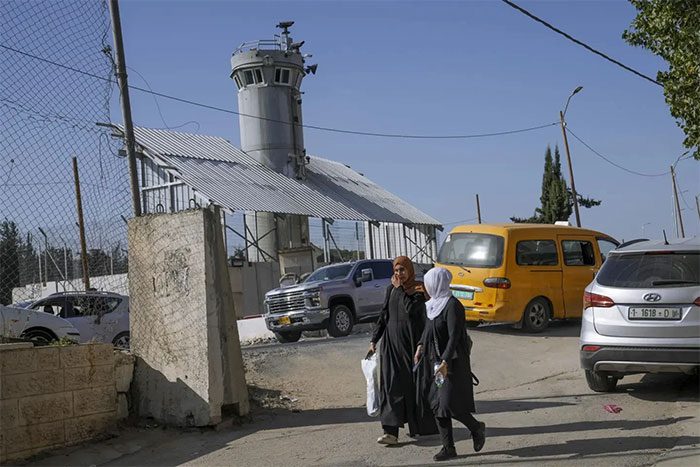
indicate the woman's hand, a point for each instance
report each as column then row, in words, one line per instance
column 442, row 369
column 372, row 347
column 419, row 352
column 395, row 281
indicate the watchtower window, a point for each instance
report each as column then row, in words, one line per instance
column 248, row 77
column 238, row 81
column 258, row 76
column 283, row 75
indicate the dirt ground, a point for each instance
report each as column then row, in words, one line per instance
column 309, row 397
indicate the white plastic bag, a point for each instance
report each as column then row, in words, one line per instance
column 369, row 368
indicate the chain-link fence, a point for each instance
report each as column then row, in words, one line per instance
column 56, row 72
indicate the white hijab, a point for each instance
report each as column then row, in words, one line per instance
column 437, row 284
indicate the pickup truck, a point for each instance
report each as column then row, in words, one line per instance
column 333, row 297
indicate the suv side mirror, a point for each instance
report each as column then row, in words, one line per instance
column 366, row 275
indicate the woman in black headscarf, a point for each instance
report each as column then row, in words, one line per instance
column 444, row 348
column 400, row 327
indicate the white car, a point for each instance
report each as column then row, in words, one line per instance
column 98, row 316
column 35, row 325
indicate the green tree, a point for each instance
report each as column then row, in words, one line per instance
column 10, row 246
column 671, row 30
column 556, row 200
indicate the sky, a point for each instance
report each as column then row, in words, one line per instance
column 438, row 68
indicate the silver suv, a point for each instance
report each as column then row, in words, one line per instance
column 642, row 313
column 333, row 297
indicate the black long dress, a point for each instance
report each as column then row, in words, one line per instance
column 447, row 332
column 400, row 326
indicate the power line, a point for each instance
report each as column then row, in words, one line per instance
column 313, row 127
column 633, row 172
column 582, row 44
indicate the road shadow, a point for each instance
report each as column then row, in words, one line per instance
column 664, row 388
column 559, row 328
column 581, row 448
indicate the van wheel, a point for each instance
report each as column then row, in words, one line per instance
column 600, row 382
column 341, row 321
column 288, row 337
column 536, row 315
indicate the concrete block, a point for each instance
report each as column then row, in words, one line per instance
column 45, row 408
column 17, row 361
column 124, row 370
column 16, row 439
column 122, row 406
column 81, row 429
column 87, row 355
column 47, row 434
column 94, row 400
column 30, row 384
column 47, row 358
column 18, row 456
column 88, row 377
column 16, row 345
column 9, row 413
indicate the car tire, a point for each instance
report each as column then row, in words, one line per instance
column 122, row 340
column 39, row 336
column 473, row 324
column 536, row 315
column 341, row 321
column 600, row 382
column 288, row 337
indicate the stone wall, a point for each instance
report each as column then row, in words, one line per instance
column 52, row 397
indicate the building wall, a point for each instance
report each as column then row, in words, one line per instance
column 51, row 397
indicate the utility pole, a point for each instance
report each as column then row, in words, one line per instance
column 120, row 64
column 478, row 208
column 571, row 169
column 81, row 225
column 678, row 205
column 697, row 205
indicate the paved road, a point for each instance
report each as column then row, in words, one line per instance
column 532, row 396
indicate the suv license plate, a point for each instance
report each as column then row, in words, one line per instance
column 463, row 294
column 671, row 314
column 284, row 320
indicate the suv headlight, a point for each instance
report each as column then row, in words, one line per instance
column 313, row 298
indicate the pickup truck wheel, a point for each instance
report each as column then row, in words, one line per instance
column 600, row 382
column 287, row 337
column 341, row 321
column 40, row 336
column 536, row 315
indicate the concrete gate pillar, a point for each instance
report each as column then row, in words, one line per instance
column 182, row 319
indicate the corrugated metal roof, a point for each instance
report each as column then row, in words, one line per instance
column 229, row 177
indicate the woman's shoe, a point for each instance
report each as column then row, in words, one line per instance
column 445, row 454
column 479, row 437
column 389, row 440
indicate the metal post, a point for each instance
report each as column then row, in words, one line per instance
column 697, row 205
column 357, row 237
column 478, row 208
column 371, row 240
column 46, row 255
column 41, row 280
column 571, row 169
column 678, row 205
column 123, row 82
column 81, row 225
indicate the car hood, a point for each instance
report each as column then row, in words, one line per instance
column 302, row 287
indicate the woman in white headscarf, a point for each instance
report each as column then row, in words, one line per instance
column 444, row 345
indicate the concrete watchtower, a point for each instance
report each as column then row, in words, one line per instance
column 268, row 75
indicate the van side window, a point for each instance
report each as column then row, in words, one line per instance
column 578, row 253
column 605, row 247
column 536, row 253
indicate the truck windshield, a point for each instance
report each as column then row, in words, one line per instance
column 472, row 250
column 330, row 273
column 651, row 269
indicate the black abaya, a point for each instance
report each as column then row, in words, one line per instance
column 400, row 326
